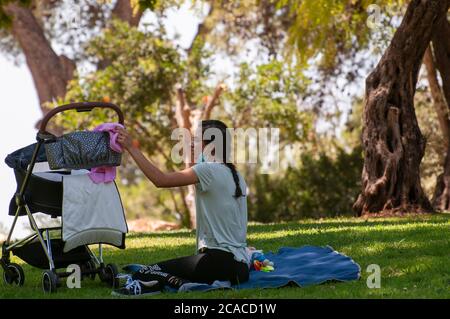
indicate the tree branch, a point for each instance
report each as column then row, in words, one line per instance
column 50, row 72
column 203, row 29
column 124, row 11
column 213, row 101
column 182, row 110
column 441, row 50
column 439, row 102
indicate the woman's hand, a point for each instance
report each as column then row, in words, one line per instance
column 124, row 139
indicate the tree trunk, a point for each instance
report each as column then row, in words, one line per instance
column 392, row 141
column 441, row 50
column 439, row 102
column 50, row 72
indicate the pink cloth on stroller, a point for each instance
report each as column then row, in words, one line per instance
column 107, row 174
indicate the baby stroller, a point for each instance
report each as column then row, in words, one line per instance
column 42, row 249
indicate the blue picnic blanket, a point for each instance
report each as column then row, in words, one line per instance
column 304, row 266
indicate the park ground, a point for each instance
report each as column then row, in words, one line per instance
column 413, row 253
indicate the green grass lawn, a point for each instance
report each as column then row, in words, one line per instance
column 413, row 253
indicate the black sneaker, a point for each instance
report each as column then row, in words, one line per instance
column 162, row 277
column 138, row 288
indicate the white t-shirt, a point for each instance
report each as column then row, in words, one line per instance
column 221, row 217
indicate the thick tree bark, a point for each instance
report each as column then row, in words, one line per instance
column 441, row 196
column 392, row 141
column 441, row 50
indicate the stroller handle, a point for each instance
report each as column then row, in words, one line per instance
column 80, row 107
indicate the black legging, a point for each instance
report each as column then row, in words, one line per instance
column 205, row 267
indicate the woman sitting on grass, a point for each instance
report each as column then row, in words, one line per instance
column 221, row 207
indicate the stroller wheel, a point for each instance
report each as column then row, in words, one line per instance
column 109, row 275
column 49, row 281
column 14, row 275
column 89, row 266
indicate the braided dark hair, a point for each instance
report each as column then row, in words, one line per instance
column 207, row 124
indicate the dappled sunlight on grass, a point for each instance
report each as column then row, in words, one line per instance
column 413, row 253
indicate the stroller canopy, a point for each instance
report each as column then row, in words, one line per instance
column 21, row 158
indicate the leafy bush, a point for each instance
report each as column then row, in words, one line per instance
column 321, row 187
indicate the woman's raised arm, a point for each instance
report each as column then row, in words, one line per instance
column 153, row 173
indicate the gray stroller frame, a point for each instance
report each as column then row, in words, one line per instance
column 39, row 249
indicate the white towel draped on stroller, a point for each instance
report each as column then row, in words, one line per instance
column 91, row 213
